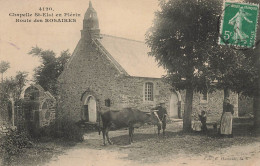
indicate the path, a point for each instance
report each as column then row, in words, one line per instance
column 245, row 155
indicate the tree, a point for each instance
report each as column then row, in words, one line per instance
column 179, row 39
column 239, row 72
column 248, row 82
column 243, row 75
column 3, row 68
column 11, row 90
column 48, row 72
column 224, row 69
column 253, row 71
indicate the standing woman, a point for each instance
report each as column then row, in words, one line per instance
column 226, row 119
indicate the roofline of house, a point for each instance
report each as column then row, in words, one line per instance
column 145, row 77
column 71, row 58
column 122, row 38
column 110, row 57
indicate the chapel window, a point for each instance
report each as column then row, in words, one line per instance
column 148, row 91
column 107, row 102
column 204, row 97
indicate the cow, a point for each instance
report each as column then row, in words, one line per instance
column 127, row 117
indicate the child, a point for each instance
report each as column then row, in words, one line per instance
column 203, row 119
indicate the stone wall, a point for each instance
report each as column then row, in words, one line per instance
column 245, row 106
column 214, row 105
column 5, row 121
column 89, row 73
column 125, row 91
column 92, row 73
column 132, row 93
column 39, row 109
column 4, row 114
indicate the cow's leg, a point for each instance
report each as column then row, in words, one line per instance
column 159, row 129
column 164, row 127
column 108, row 139
column 104, row 136
column 131, row 134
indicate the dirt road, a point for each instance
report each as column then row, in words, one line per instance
column 150, row 150
column 235, row 156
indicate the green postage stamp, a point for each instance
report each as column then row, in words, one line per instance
column 239, row 24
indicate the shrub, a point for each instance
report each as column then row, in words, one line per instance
column 64, row 129
column 68, row 130
column 14, row 144
column 49, row 131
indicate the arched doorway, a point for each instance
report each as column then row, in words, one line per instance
column 90, row 109
column 174, row 105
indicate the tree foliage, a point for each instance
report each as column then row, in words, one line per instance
column 4, row 65
column 180, row 37
column 248, row 78
column 10, row 92
column 238, row 71
column 180, row 40
column 183, row 40
column 249, row 82
column 13, row 87
column 51, row 67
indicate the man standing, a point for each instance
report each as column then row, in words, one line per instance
column 162, row 113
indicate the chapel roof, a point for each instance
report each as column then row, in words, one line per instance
column 132, row 56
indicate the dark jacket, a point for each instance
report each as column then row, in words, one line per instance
column 227, row 107
column 161, row 112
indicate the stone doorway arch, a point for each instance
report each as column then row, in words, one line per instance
column 90, row 109
column 175, row 105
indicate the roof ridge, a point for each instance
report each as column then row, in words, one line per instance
column 110, row 57
column 123, row 38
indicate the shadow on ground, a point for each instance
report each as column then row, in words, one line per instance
column 148, row 147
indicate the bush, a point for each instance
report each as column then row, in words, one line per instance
column 68, row 130
column 49, row 131
column 64, row 129
column 14, row 144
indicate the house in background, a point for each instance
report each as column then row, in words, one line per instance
column 108, row 72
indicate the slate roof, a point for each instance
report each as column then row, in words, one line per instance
column 131, row 56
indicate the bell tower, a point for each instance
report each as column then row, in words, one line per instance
column 90, row 24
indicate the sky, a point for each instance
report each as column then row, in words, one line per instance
column 123, row 18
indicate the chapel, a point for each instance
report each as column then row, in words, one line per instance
column 109, row 72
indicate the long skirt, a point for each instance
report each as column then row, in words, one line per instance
column 196, row 126
column 226, row 124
